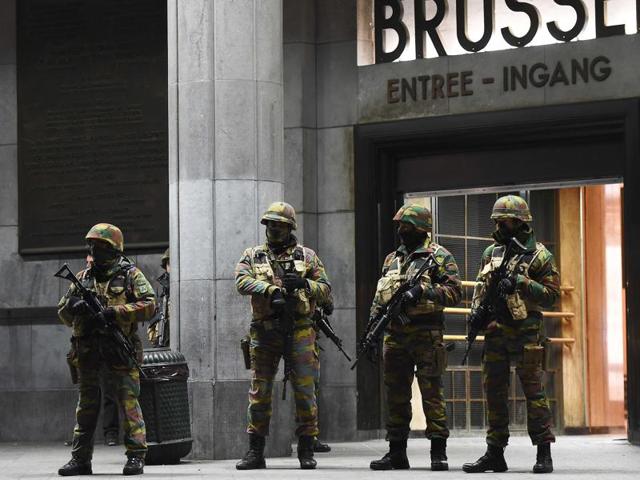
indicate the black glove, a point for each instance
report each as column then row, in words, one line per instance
column 328, row 308
column 78, row 306
column 292, row 282
column 430, row 294
column 108, row 315
column 277, row 300
column 506, row 286
column 411, row 296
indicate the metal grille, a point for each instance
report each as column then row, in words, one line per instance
column 172, row 416
column 462, row 224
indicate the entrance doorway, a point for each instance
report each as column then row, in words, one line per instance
column 579, row 147
column 585, row 347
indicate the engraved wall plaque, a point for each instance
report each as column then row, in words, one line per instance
column 92, row 122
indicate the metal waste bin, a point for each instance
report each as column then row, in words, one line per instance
column 164, row 400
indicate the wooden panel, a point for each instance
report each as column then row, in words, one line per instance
column 570, row 266
column 606, row 407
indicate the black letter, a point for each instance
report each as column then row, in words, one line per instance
column 394, row 22
column 429, row 26
column 538, row 80
column 583, row 70
column 603, row 30
column 532, row 12
column 461, row 26
column 604, row 72
column 392, row 88
column 411, row 88
column 559, row 75
column 581, row 20
column 521, row 77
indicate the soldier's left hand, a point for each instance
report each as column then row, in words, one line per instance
column 292, row 282
column 507, row 286
column 411, row 297
column 106, row 316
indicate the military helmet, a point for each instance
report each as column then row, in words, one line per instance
column 165, row 259
column 108, row 233
column 417, row 215
column 280, row 212
column 511, row 206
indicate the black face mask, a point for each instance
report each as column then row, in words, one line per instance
column 504, row 234
column 102, row 257
column 277, row 235
column 411, row 239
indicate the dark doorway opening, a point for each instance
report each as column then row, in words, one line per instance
column 573, row 144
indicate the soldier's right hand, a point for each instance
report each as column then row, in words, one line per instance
column 78, row 306
column 277, row 300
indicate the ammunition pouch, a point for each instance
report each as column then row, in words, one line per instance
column 435, row 361
column 533, row 357
column 516, row 306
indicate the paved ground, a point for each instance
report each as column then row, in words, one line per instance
column 599, row 457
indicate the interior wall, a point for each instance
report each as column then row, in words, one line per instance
column 605, row 320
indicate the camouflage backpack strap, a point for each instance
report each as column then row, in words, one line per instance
column 128, row 279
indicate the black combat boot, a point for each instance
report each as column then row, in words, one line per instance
column 544, row 464
column 396, row 459
column 320, row 447
column 111, row 438
column 305, row 452
column 254, row 458
column 75, row 467
column 493, row 460
column 439, row 454
column 134, row 466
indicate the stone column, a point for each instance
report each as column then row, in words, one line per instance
column 226, row 166
column 337, row 93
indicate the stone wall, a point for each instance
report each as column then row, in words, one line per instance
column 34, row 380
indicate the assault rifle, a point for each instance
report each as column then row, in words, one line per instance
column 161, row 317
column 126, row 348
column 286, row 321
column 492, row 306
column 323, row 324
column 377, row 324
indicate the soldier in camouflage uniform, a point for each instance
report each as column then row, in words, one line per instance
column 158, row 332
column 416, row 347
column 129, row 299
column 259, row 273
column 531, row 283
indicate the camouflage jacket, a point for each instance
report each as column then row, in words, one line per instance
column 400, row 266
column 255, row 276
column 126, row 290
column 537, row 281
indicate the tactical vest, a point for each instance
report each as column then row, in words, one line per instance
column 262, row 265
column 518, row 264
column 394, row 277
column 118, row 290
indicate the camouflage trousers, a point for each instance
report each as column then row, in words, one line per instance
column 266, row 351
column 127, row 386
column 500, row 348
column 411, row 350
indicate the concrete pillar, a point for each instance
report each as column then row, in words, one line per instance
column 226, row 166
column 301, row 172
column 337, row 89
